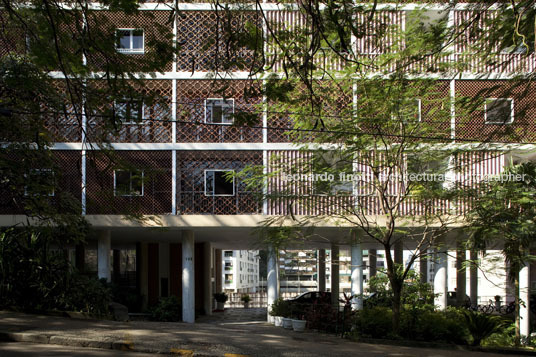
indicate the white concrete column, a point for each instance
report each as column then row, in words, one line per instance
column 207, row 278
column 321, row 270
column 441, row 279
column 188, row 278
column 473, row 277
column 103, row 254
column 272, row 280
column 357, row 276
column 524, row 295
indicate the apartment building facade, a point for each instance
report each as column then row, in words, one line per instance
column 180, row 155
column 240, row 271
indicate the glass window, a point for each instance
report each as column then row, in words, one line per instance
column 219, row 111
column 499, row 110
column 129, row 111
column 129, row 40
column 128, row 183
column 217, row 184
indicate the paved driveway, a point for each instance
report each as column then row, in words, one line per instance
column 253, row 338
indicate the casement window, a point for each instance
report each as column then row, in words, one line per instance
column 128, row 183
column 130, row 40
column 219, row 111
column 129, row 111
column 407, row 111
column 228, row 253
column 217, row 184
column 499, row 110
column 41, row 182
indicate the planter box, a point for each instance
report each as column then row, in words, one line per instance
column 278, row 321
column 287, row 323
column 298, row 325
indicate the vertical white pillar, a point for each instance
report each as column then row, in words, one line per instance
column 272, row 281
column 357, row 276
column 321, row 271
column 103, row 254
column 188, row 278
column 441, row 279
column 207, row 278
column 524, row 295
column 473, row 277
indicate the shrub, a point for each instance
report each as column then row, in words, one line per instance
column 245, row 298
column 167, row 309
column 374, row 322
column 416, row 324
column 481, row 325
column 86, row 294
column 281, row 308
column 438, row 326
column 221, row 297
column 504, row 338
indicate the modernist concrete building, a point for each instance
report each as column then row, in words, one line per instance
column 240, row 271
column 180, row 157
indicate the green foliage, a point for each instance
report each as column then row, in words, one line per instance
column 245, row 298
column 415, row 294
column 34, row 277
column 167, row 309
column 85, row 294
column 376, row 322
column 417, row 324
column 221, row 297
column 504, row 338
column 482, row 326
column 281, row 308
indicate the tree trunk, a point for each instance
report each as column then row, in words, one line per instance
column 396, row 287
column 517, row 317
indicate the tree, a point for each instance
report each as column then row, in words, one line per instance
column 505, row 212
column 61, row 79
column 380, row 113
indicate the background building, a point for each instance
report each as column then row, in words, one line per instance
column 240, row 271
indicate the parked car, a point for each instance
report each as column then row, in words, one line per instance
column 311, row 297
column 452, row 301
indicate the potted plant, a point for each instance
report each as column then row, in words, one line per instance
column 220, row 298
column 246, row 299
column 279, row 310
column 298, row 325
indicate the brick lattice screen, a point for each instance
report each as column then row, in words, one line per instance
column 191, row 168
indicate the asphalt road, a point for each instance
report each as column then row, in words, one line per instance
column 16, row 349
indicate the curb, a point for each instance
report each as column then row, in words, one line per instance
column 120, row 345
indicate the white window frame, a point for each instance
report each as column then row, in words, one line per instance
column 498, row 123
column 50, row 194
column 116, row 194
column 221, row 100
column 130, row 122
column 130, row 50
column 219, row 195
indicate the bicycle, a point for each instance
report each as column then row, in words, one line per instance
column 508, row 308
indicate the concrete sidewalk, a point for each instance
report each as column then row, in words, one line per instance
column 200, row 339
